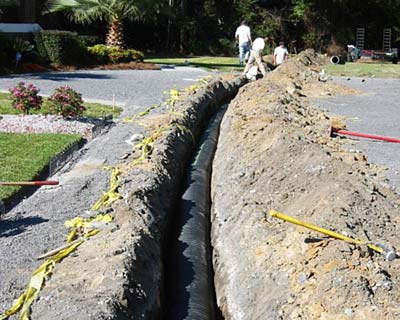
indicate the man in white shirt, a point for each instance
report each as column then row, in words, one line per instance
column 280, row 54
column 243, row 38
column 256, row 55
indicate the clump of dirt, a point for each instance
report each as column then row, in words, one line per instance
column 275, row 153
column 304, row 75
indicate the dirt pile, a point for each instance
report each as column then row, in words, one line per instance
column 274, row 153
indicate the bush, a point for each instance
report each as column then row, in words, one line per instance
column 66, row 102
column 99, row 53
column 10, row 46
column 136, row 55
column 22, row 46
column 227, row 47
column 25, row 98
column 3, row 58
column 118, row 55
column 61, row 47
column 90, row 40
column 103, row 54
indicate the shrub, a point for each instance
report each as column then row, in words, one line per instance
column 226, row 47
column 103, row 54
column 3, row 58
column 61, row 47
column 25, row 98
column 99, row 53
column 136, row 55
column 66, row 102
column 90, row 40
column 22, row 46
column 118, row 55
column 10, row 46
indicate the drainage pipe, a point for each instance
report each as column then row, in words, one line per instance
column 190, row 290
column 337, row 60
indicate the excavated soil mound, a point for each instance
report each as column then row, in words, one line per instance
column 274, row 153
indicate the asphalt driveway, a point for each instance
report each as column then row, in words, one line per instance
column 375, row 111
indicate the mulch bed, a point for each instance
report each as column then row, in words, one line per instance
column 33, row 67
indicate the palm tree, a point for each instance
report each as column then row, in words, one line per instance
column 111, row 11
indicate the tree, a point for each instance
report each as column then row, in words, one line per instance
column 111, row 11
column 5, row 3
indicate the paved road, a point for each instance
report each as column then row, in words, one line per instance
column 36, row 225
column 135, row 88
column 375, row 111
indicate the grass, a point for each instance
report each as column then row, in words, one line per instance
column 93, row 110
column 24, row 156
column 357, row 69
column 224, row 64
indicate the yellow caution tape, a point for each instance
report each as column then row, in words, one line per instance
column 111, row 195
column 141, row 114
column 147, row 144
column 46, row 268
column 185, row 129
column 193, row 87
column 200, row 84
column 174, row 96
column 84, row 225
column 284, row 217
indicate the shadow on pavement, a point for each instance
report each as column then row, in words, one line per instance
column 13, row 227
column 62, row 76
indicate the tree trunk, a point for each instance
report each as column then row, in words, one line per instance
column 115, row 36
column 27, row 9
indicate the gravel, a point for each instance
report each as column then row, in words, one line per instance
column 36, row 225
column 375, row 111
column 47, row 124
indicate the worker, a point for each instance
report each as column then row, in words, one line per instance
column 280, row 53
column 256, row 56
column 243, row 38
column 353, row 53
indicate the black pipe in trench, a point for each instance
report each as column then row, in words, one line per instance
column 189, row 276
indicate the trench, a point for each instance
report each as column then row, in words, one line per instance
column 189, row 276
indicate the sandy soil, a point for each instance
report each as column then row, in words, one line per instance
column 275, row 153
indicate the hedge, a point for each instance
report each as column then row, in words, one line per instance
column 61, row 47
column 104, row 55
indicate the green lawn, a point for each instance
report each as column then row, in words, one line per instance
column 224, row 64
column 93, row 110
column 24, row 156
column 356, row 69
